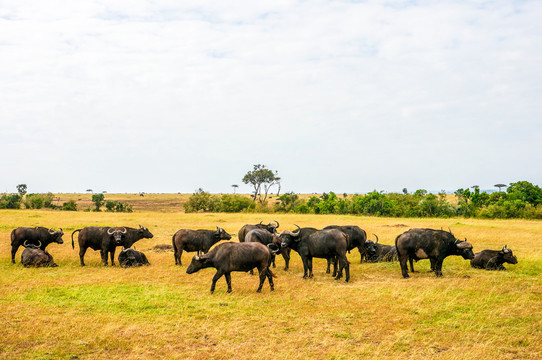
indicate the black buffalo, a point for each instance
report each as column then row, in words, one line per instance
column 271, row 228
column 196, row 240
column 435, row 245
column 33, row 255
column 493, row 259
column 266, row 238
column 34, row 235
column 383, row 252
column 357, row 238
column 326, row 244
column 234, row 256
column 106, row 239
column 131, row 257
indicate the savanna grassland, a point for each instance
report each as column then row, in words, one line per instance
column 98, row 312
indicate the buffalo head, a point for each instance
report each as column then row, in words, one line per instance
column 56, row 236
column 143, row 232
column 464, row 248
column 221, row 234
column 287, row 237
column 507, row 256
column 117, row 234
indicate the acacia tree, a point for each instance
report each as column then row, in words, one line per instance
column 21, row 189
column 262, row 179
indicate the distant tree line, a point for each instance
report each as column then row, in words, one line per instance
column 521, row 200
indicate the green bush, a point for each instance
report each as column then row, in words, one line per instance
column 10, row 201
column 69, row 206
column 39, row 201
column 117, row 206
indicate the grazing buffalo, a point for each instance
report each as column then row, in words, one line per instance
column 131, row 257
column 233, row 256
column 105, row 239
column 33, row 255
column 493, row 259
column 326, row 244
column 196, row 240
column 266, row 238
column 271, row 228
column 435, row 245
column 34, row 235
column 383, row 252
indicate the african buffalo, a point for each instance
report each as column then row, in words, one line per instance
column 271, row 228
column 34, row 235
column 234, row 256
column 326, row 244
column 435, row 245
column 357, row 238
column 131, row 257
column 265, row 237
column 33, row 255
column 383, row 252
column 196, row 240
column 493, row 259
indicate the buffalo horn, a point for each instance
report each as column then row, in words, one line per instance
column 110, row 231
column 449, row 230
column 260, row 222
column 196, row 257
column 462, row 244
column 298, row 228
column 376, row 242
column 51, row 231
column 25, row 243
column 276, row 222
column 125, row 230
column 39, row 243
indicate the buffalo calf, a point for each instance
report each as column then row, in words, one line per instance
column 34, row 256
column 131, row 257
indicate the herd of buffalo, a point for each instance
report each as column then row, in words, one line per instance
column 258, row 245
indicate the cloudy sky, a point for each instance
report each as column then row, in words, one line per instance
column 348, row 96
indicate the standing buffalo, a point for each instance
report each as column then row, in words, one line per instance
column 233, row 256
column 435, row 245
column 106, row 239
column 33, row 255
column 357, row 238
column 131, row 257
column 266, row 238
column 196, row 240
column 326, row 244
column 34, row 235
column 493, row 259
column 271, row 228
column 383, row 252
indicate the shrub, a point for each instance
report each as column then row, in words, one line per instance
column 38, row 201
column 117, row 206
column 10, row 201
column 69, row 206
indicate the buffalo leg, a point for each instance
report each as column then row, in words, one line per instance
column 309, row 267
column 403, row 262
column 411, row 261
column 82, row 251
column 344, row 264
column 305, row 268
column 273, row 260
column 217, row 276
column 263, row 274
column 103, row 254
column 178, row 256
column 432, row 264
column 270, row 278
column 362, row 253
column 438, row 267
column 286, row 256
column 228, row 281
column 112, row 254
column 14, row 249
column 329, row 266
column 335, row 262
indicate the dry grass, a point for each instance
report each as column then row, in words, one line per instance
column 159, row 311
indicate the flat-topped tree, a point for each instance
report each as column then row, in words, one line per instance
column 500, row 186
column 262, row 179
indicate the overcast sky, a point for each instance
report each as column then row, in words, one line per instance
column 347, row 96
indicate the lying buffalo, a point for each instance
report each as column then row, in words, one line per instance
column 435, row 245
column 271, row 228
column 131, row 257
column 383, row 252
column 34, row 235
column 33, row 255
column 196, row 240
column 233, row 256
column 265, row 237
column 493, row 259
column 310, row 243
